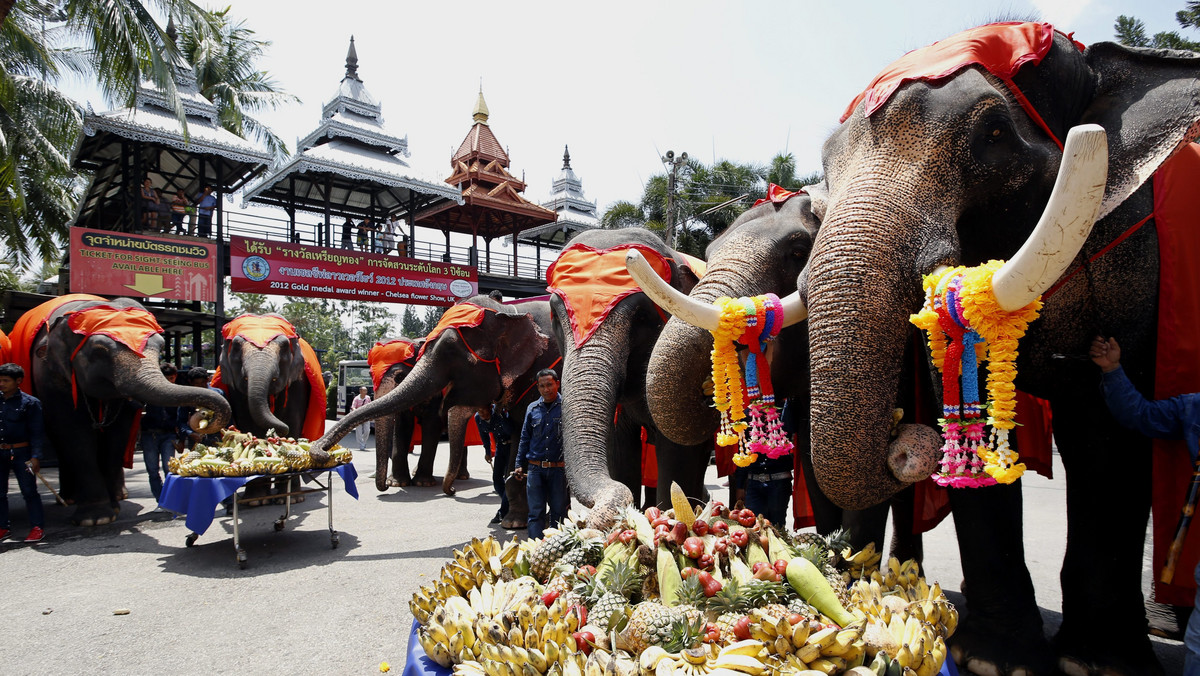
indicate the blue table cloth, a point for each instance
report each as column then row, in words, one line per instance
column 198, row 497
column 420, row 664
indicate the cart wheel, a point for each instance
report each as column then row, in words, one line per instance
column 241, row 558
column 279, row 524
column 333, row 539
column 191, row 539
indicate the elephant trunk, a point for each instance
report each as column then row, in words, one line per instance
column 262, row 368
column 591, row 376
column 424, row 381
column 143, row 381
column 862, row 287
column 679, row 365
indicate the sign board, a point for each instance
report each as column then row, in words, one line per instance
column 122, row 264
column 259, row 266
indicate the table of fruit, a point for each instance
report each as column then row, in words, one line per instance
column 678, row 593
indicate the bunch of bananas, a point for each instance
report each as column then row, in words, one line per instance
column 736, row 659
column 862, row 563
column 240, row 454
column 810, row 645
column 469, row 573
column 906, row 625
column 918, row 654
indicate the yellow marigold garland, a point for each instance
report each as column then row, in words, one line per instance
column 726, row 373
column 967, row 294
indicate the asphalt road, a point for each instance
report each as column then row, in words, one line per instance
column 300, row 606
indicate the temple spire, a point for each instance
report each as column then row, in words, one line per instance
column 480, row 114
column 352, row 61
column 566, row 157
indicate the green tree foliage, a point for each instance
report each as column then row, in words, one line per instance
column 1131, row 31
column 223, row 53
column 412, row 326
column 622, row 214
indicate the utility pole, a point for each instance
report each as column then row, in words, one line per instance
column 673, row 164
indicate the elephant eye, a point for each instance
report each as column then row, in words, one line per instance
column 997, row 132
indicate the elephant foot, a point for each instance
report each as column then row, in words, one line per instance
column 448, row 487
column 514, row 524
column 94, row 515
column 989, row 649
column 463, row 476
column 123, row 493
column 1126, row 653
column 425, row 481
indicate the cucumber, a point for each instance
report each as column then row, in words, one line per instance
column 814, row 590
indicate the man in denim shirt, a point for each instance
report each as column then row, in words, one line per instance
column 1174, row 418
column 540, row 457
column 21, row 437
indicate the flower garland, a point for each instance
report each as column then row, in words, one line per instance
column 752, row 322
column 961, row 317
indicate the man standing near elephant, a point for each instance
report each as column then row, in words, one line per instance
column 363, row 431
column 540, row 457
column 1174, row 418
column 495, row 428
column 21, row 433
column 159, row 438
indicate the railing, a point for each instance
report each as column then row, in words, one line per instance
column 262, row 226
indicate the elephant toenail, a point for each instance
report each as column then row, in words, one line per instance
column 981, row 667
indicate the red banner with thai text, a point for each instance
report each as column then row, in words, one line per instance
column 260, row 266
column 113, row 263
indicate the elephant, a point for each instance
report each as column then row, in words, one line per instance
column 85, row 358
column 273, row 381
column 937, row 166
column 482, row 351
column 606, row 338
column 395, row 360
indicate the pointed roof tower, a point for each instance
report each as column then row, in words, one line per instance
column 575, row 212
column 493, row 203
column 351, row 164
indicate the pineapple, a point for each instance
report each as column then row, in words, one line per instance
column 801, row 608
column 611, row 595
column 691, row 593
column 728, row 606
column 551, row 549
column 652, row 623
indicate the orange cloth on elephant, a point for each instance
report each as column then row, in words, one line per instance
column 1177, row 360
column 457, row 317
column 5, row 348
column 1000, row 48
column 26, row 328
column 258, row 329
column 698, row 266
column 130, row 326
column 314, row 417
column 384, row 356
column 592, row 281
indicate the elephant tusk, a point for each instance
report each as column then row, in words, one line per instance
column 691, row 311
column 667, row 297
column 1065, row 223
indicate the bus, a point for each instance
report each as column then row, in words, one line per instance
column 351, row 375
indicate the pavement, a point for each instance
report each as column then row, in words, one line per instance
column 131, row 598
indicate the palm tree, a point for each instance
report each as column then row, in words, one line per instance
column 224, row 54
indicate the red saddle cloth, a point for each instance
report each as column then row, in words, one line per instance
column 384, row 356
column 1177, row 359
column 463, row 315
column 26, row 328
column 262, row 329
column 592, row 281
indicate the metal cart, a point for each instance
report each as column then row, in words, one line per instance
column 313, row 476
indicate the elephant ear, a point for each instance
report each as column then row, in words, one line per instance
column 683, row 277
column 518, row 344
column 1148, row 100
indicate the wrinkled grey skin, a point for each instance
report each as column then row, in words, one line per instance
column 392, row 433
column 604, row 464
column 107, row 375
column 253, row 375
column 517, row 335
column 956, row 172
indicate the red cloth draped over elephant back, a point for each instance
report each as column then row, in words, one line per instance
column 384, row 356
column 130, row 326
column 26, row 328
column 262, row 329
column 1177, row 359
column 463, row 315
column 592, row 281
column 999, row 48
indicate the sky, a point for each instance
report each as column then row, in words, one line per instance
column 619, row 82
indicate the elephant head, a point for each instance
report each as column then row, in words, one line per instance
column 605, row 332
column 763, row 251
column 482, row 352
column 928, row 172
column 261, row 360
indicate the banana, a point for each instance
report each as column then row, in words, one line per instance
column 541, row 616
column 516, row 637
column 437, row 632
column 528, row 669
column 826, row 665
column 742, row 663
column 759, row 633
column 823, row 638
column 469, row 668
column 650, row 658
column 800, row 632
column 808, row 652
column 665, row 667
column 456, row 647
column 571, row 668
column 550, row 650
column 782, row 645
column 929, row 665
column 532, row 640
column 904, row 657
column 748, row 647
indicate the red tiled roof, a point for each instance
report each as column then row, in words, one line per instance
column 480, row 142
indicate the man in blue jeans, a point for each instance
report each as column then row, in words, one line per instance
column 21, row 434
column 495, row 428
column 540, row 457
column 1174, row 418
column 160, row 438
